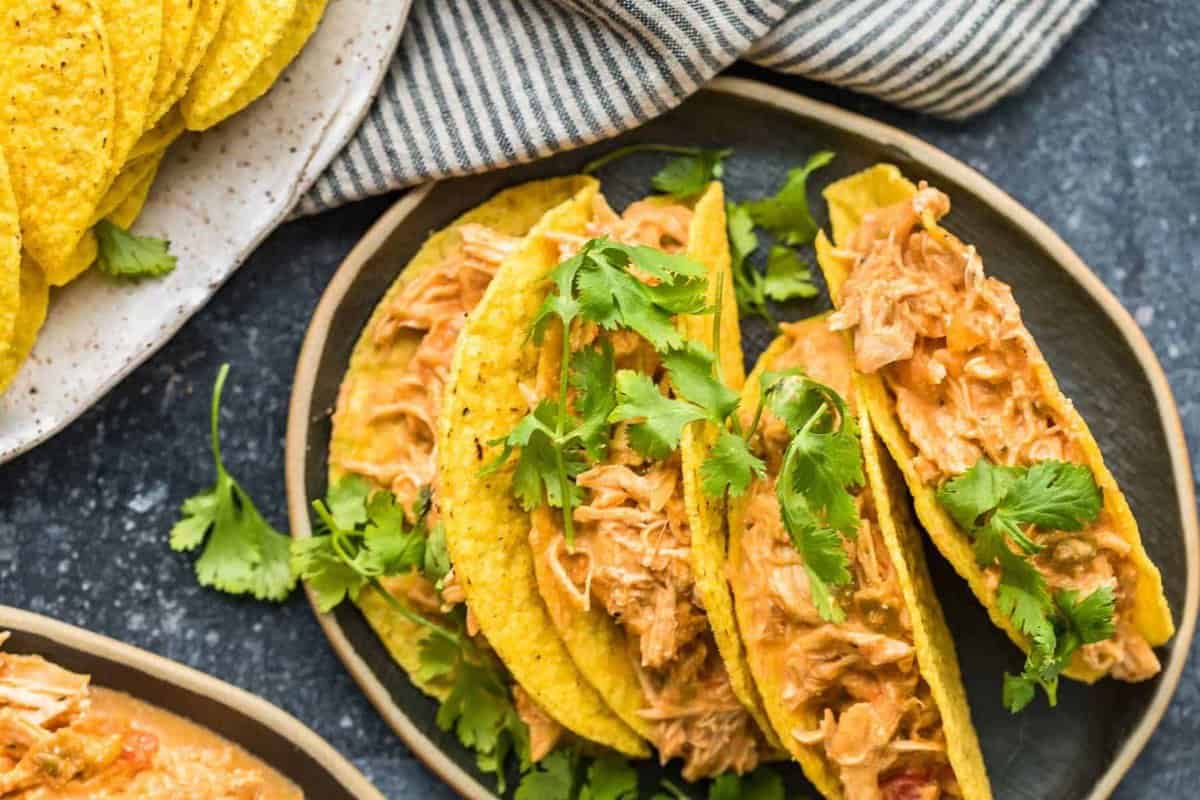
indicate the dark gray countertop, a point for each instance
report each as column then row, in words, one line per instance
column 1103, row 147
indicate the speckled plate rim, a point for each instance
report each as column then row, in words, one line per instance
column 300, row 411
column 191, row 680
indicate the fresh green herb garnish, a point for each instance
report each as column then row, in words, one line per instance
column 242, row 553
column 762, row 784
column 566, row 775
column 125, row 255
column 821, row 464
column 997, row 506
column 788, row 278
column 363, row 535
column 786, row 213
column 595, row 285
column 682, row 177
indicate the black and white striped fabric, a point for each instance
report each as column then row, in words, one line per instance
column 481, row 84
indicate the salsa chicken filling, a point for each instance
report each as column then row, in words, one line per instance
column 952, row 349
column 62, row 738
column 855, row 675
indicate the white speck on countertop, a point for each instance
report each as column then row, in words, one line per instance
column 212, row 638
column 1144, row 315
column 144, row 501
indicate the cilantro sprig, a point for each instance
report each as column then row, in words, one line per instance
column 131, row 257
column 567, row 775
column 998, row 506
column 682, row 177
column 242, row 553
column 787, row 217
column 363, row 535
column 596, row 285
column 822, row 463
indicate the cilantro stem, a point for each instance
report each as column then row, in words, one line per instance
column 215, row 415
column 564, row 480
column 673, row 790
column 621, row 152
column 716, row 332
column 758, row 412
column 411, row 615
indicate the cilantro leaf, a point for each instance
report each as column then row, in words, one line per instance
column 661, row 418
column 748, row 283
column 682, row 177
column 688, row 176
column 786, row 214
column 610, row 777
column 788, row 278
column 347, row 500
column 730, row 466
column 242, row 553
column 1018, row 692
column 536, row 480
column 1053, row 495
column 437, row 557
column 976, row 492
column 480, row 713
column 330, row 578
column 125, row 255
column 762, row 784
column 691, row 371
column 1090, row 619
column 552, row 778
column 822, row 462
column 593, row 375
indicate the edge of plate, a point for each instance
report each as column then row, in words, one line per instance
column 341, row 127
column 996, row 198
column 185, row 677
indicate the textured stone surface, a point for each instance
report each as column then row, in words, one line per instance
column 1102, row 147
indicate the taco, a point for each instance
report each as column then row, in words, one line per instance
column 1005, row 475
column 844, row 634
column 618, row 569
column 388, row 410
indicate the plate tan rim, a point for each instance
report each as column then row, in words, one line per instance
column 199, row 683
column 300, row 415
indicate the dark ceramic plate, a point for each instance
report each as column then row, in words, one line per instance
column 255, row 725
column 1078, row 750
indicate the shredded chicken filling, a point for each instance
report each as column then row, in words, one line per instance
column 858, row 680
column 632, row 554
column 952, row 348
column 435, row 304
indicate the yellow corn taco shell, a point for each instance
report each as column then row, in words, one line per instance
column 56, row 121
column 537, row 662
column 487, row 532
column 129, row 209
column 134, row 30
column 934, row 646
column 31, row 313
column 849, row 199
column 127, row 180
column 595, row 640
column 10, row 260
column 82, row 257
column 160, row 137
column 308, row 14
column 179, row 18
column 249, row 33
column 209, row 16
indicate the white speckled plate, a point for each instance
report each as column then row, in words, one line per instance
column 218, row 195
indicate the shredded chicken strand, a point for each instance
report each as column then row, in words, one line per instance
column 952, row 347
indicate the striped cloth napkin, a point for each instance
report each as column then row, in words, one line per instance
column 481, row 84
